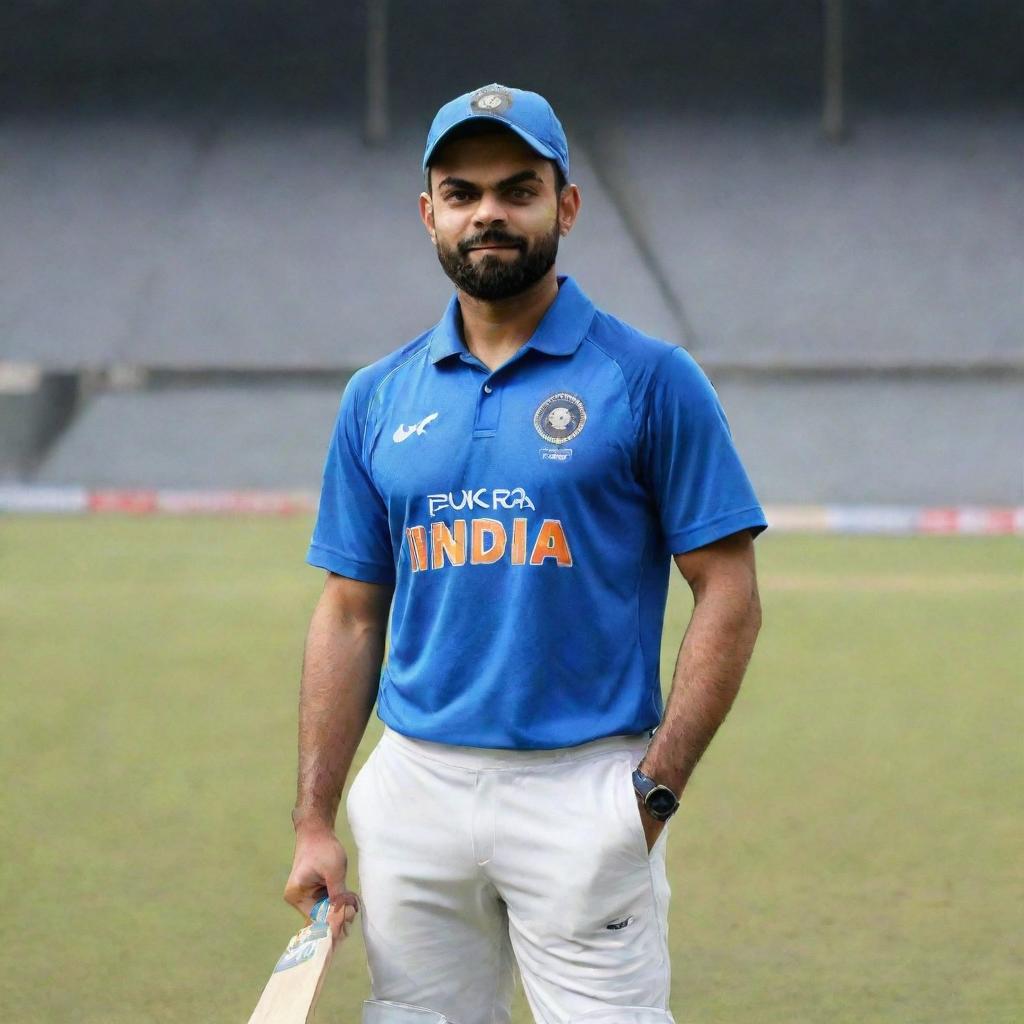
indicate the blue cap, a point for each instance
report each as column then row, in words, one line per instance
column 527, row 114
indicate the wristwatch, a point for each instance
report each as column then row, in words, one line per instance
column 660, row 801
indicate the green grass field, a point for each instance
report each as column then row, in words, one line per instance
column 850, row 850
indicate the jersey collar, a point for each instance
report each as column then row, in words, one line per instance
column 559, row 332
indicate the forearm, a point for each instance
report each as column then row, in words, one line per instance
column 340, row 677
column 709, row 669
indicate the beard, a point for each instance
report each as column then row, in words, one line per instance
column 493, row 277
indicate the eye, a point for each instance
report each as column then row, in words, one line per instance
column 459, row 195
column 521, row 193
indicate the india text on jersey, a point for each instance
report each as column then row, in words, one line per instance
column 486, row 541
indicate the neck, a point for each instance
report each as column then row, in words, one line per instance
column 495, row 331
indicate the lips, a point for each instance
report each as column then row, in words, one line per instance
column 491, row 244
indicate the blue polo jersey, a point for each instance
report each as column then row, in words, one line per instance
column 527, row 517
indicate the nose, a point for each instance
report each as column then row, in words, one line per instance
column 489, row 210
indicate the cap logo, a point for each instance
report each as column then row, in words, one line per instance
column 491, row 100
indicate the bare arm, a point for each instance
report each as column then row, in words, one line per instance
column 340, row 676
column 712, row 659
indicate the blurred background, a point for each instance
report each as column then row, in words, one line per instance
column 208, row 222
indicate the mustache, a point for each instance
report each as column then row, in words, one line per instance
column 492, row 236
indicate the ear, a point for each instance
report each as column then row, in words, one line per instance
column 569, row 203
column 427, row 216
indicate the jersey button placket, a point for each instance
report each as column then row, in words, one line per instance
column 488, row 410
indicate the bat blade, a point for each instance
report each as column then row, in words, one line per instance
column 294, row 987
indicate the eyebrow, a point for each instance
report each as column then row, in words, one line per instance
column 515, row 179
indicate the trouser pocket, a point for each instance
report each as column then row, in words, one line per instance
column 627, row 800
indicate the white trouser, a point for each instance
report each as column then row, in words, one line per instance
column 472, row 861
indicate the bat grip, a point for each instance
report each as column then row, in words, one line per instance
column 318, row 914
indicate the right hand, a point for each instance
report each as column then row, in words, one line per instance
column 319, row 866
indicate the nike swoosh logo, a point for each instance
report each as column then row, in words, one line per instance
column 619, row 925
column 417, row 428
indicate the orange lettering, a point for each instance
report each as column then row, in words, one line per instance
column 443, row 542
column 551, row 543
column 417, row 538
column 519, row 541
column 485, row 530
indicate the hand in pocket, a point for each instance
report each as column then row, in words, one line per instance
column 652, row 827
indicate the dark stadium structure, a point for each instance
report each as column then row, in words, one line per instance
column 209, row 221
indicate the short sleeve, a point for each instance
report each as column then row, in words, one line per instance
column 351, row 536
column 699, row 486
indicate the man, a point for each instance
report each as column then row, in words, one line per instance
column 512, row 486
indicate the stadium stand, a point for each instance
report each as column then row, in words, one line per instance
column 241, row 244
column 901, row 247
column 851, row 438
column 804, row 439
column 295, row 246
column 270, row 437
column 197, row 243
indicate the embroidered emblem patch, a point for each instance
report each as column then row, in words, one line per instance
column 491, row 99
column 560, row 418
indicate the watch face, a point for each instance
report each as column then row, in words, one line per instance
column 661, row 801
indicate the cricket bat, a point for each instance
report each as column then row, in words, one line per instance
column 294, row 987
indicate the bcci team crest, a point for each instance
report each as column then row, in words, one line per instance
column 491, row 99
column 560, row 418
